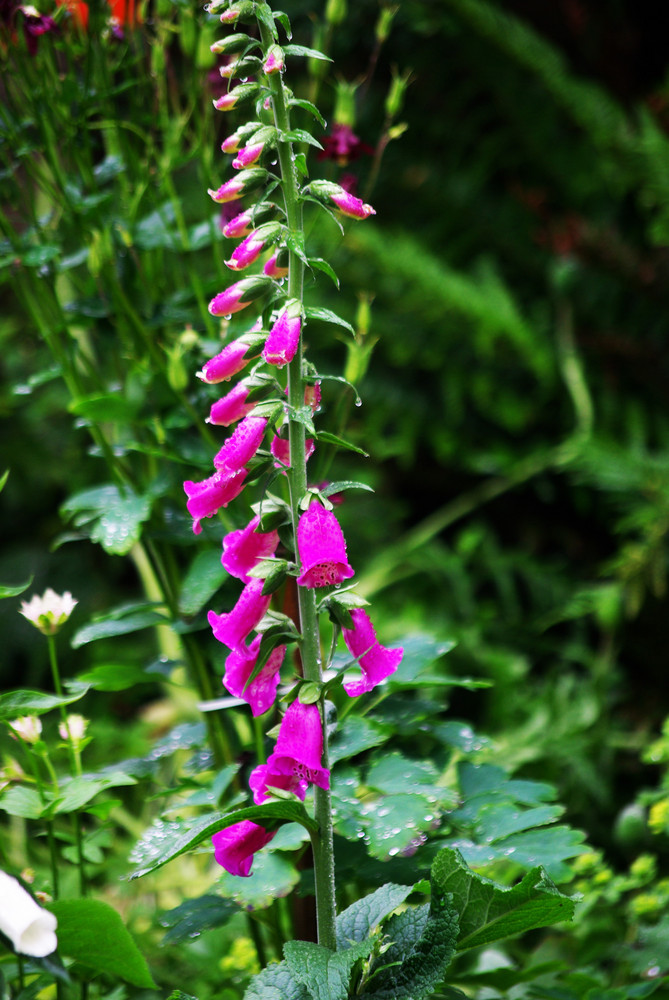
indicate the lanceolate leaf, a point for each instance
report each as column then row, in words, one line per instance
column 328, row 316
column 166, row 841
column 9, row 591
column 24, row 702
column 302, row 50
column 110, row 517
column 488, row 911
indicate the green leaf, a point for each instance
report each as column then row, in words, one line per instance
column 111, row 518
column 322, row 265
column 421, row 651
column 323, row 972
column 393, row 773
column 93, row 934
column 105, row 628
column 300, row 135
column 276, row 982
column 491, row 912
column 340, row 442
column 203, row 578
column 273, row 877
column 361, row 919
column 103, row 407
column 165, row 841
column 340, row 485
column 24, row 702
column 118, row 677
column 9, row 591
column 3, row 479
column 328, row 316
column 296, row 102
column 355, row 734
column 80, row 790
column 397, row 823
column 302, row 50
column 195, row 916
column 425, row 952
column 18, row 800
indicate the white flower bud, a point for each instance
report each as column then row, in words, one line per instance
column 31, row 929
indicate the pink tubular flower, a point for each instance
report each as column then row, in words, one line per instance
column 207, row 497
column 232, row 628
column 261, row 692
column 297, row 755
column 238, row 93
column 231, row 408
column 242, row 445
column 274, row 268
column 247, row 156
column 376, row 661
column 244, row 548
column 238, row 185
column 237, row 296
column 284, row 337
column 280, row 448
column 246, row 253
column 241, row 225
column 226, row 364
column 235, row 846
column 346, row 202
column 322, row 548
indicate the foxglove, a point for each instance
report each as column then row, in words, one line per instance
column 232, row 628
column 297, row 755
column 376, row 661
column 235, row 846
column 261, row 691
column 231, row 408
column 284, row 337
column 242, row 444
column 208, row 496
column 243, row 549
column 322, row 548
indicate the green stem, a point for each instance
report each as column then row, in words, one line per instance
column 322, row 842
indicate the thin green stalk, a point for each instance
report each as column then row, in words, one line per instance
column 322, row 842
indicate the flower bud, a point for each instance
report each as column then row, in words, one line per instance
column 242, row 92
column 233, row 43
column 50, row 611
column 250, row 249
column 236, row 11
column 335, row 11
column 30, row 928
column 274, row 60
column 398, row 88
column 284, row 337
column 28, row 728
column 241, row 67
column 238, row 296
column 236, row 140
column 277, row 265
column 238, row 186
column 347, row 203
column 242, row 224
column 384, row 22
column 73, row 730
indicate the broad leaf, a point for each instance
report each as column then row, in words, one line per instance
column 16, row 703
column 490, row 912
column 92, row 933
column 276, row 982
column 361, row 919
column 273, row 876
column 18, row 800
column 9, row 591
column 203, row 578
column 110, row 517
column 195, row 916
column 113, row 624
column 80, row 790
column 323, row 972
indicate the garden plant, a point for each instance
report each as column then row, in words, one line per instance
column 239, row 761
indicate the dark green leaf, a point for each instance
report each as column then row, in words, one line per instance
column 107, row 627
column 397, row 823
column 328, row 316
column 203, row 578
column 112, row 518
column 273, row 877
column 194, row 916
column 323, row 972
column 9, row 591
column 355, row 734
column 93, row 934
column 302, row 50
column 275, row 983
column 300, row 135
column 361, row 919
column 491, row 912
column 295, row 102
column 102, row 407
column 322, row 265
column 22, row 702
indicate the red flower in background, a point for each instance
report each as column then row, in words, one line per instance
column 124, row 13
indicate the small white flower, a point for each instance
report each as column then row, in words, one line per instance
column 28, row 727
column 50, row 611
column 31, row 929
column 73, row 729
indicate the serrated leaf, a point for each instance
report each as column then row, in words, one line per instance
column 24, row 702
column 397, row 823
column 9, row 591
column 393, row 773
column 111, row 518
column 92, row 933
column 195, row 916
column 361, row 919
column 302, row 50
column 276, row 982
column 490, row 912
column 165, row 841
column 203, row 578
column 323, row 972
column 328, row 316
column 427, row 958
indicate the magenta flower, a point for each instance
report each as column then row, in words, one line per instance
column 249, row 155
column 242, row 444
column 244, row 548
column 346, row 202
column 284, row 337
column 232, row 628
column 241, row 225
column 312, row 396
column 226, row 364
column 342, row 145
column 275, row 62
column 264, row 778
column 322, row 548
column 376, row 661
column 297, row 755
column 237, row 296
column 280, row 448
column 235, row 846
column 275, row 267
column 238, row 185
column 261, row 692
column 246, row 253
column 231, row 408
column 207, row 497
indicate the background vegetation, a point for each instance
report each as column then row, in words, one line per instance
column 512, row 294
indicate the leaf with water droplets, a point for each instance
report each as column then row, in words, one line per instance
column 194, row 916
column 397, row 824
column 109, row 517
column 491, row 912
column 361, row 919
column 273, row 876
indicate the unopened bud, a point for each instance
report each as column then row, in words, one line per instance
column 335, row 11
column 385, row 21
column 233, row 43
column 398, row 88
column 344, row 109
column 274, row 60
